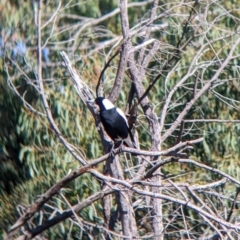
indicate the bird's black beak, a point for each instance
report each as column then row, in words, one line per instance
column 91, row 102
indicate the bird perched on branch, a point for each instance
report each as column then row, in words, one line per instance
column 114, row 121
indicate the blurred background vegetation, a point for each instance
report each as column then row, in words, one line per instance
column 33, row 159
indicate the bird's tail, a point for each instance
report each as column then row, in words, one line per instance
column 130, row 143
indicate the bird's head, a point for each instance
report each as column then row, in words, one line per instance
column 104, row 104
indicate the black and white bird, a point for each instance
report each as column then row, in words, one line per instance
column 114, row 121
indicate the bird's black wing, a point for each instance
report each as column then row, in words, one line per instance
column 114, row 124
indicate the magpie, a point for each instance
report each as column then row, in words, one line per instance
column 114, row 121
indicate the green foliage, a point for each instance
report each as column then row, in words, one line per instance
column 31, row 157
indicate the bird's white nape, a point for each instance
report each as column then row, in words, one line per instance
column 107, row 104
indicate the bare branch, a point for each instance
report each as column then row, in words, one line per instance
column 69, row 213
column 188, row 203
column 201, row 91
column 212, row 169
column 51, row 192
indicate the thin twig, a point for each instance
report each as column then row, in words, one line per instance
column 102, row 72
